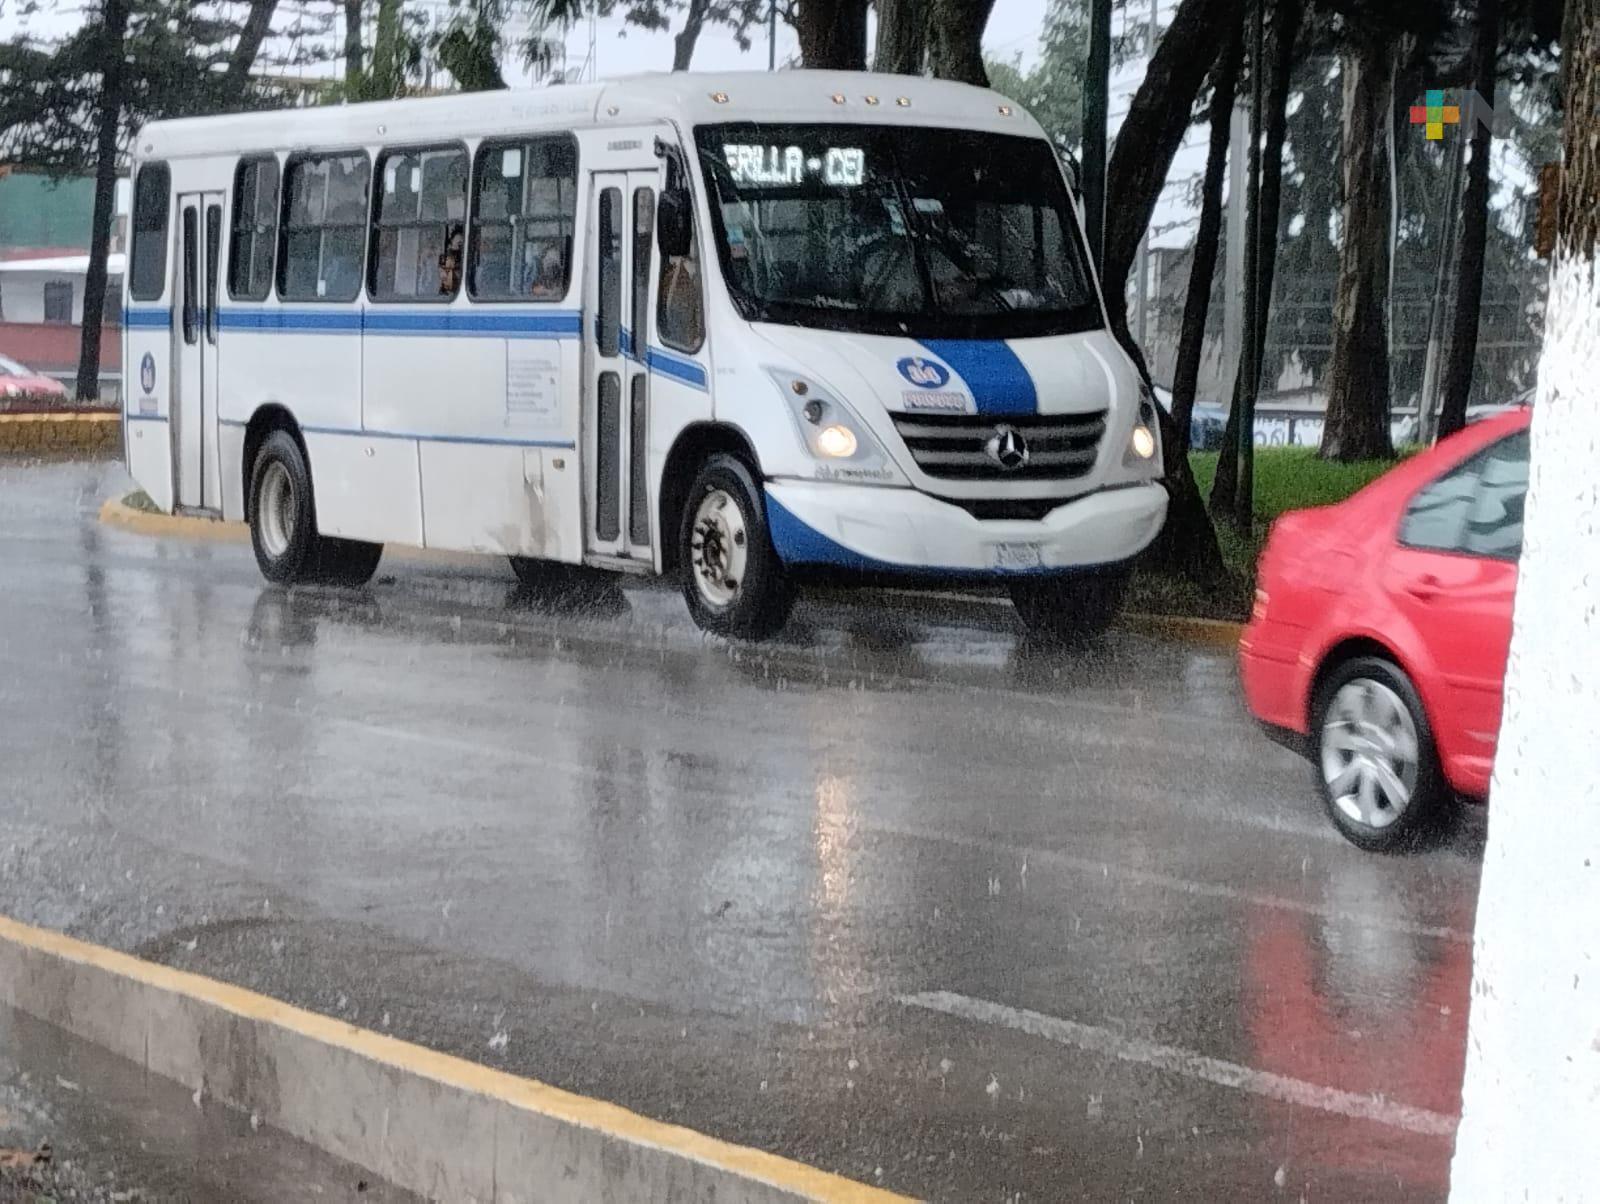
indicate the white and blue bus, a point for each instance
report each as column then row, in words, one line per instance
column 741, row 328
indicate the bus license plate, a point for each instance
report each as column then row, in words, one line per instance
column 1015, row 556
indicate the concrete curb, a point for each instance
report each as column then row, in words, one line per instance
column 1210, row 633
column 54, row 433
column 434, row 1124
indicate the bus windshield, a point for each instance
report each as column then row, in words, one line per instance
column 929, row 233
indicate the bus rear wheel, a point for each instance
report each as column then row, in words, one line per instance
column 283, row 523
column 1069, row 610
column 733, row 580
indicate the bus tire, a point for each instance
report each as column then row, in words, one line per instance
column 733, row 580
column 283, row 520
column 347, row 561
column 1068, row 611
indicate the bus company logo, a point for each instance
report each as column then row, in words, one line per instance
column 147, row 373
column 925, row 374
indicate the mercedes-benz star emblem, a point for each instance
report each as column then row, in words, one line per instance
column 1007, row 448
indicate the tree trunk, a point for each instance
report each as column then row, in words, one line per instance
column 902, row 45
column 352, row 41
column 1187, row 543
column 243, row 59
column 1357, row 420
column 1229, row 492
column 683, row 44
column 114, row 29
column 1151, row 133
column 955, row 42
column 1474, row 235
column 1285, row 32
column 1533, row 1068
column 1096, row 103
column 388, row 68
column 1203, row 267
column 832, row 33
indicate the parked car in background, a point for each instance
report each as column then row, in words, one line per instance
column 18, row 380
column 1379, row 633
column 1207, row 421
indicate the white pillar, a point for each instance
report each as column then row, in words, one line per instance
column 1530, row 1124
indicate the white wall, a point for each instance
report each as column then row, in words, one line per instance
column 1530, row 1123
column 22, row 294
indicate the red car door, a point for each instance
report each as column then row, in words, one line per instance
column 1452, row 577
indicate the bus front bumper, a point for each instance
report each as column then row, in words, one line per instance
column 876, row 530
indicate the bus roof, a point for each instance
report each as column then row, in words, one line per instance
column 690, row 98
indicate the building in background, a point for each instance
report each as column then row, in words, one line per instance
column 45, row 228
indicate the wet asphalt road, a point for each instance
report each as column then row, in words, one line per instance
column 895, row 895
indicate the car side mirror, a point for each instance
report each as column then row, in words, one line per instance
column 674, row 223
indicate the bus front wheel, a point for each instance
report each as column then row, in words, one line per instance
column 283, row 523
column 1069, row 610
column 733, row 580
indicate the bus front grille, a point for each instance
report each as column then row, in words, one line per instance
column 1032, row 447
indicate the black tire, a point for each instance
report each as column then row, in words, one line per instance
column 283, row 524
column 1069, row 611
column 1384, row 684
column 288, row 548
column 754, row 604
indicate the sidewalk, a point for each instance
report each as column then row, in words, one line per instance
column 117, row 1134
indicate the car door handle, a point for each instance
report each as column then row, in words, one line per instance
column 1424, row 588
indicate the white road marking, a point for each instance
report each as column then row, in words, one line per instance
column 1104, row 1041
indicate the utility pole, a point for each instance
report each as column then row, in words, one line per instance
column 1096, row 108
column 772, row 35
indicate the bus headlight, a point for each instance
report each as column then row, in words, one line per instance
column 837, row 441
column 1144, row 443
column 832, row 432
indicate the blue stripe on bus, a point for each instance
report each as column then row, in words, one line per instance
column 300, row 321
column 995, row 376
column 442, row 322
column 467, row 322
column 675, row 367
column 147, row 319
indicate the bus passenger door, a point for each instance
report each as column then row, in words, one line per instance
column 616, row 402
column 194, row 405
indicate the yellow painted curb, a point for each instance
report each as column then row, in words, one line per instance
column 606, row 1120
column 1214, row 633
column 117, row 513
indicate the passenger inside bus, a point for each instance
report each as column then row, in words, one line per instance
column 450, row 262
column 546, row 271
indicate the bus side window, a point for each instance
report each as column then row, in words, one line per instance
column 524, row 206
column 255, row 229
column 644, row 240
column 680, row 317
column 419, row 224
column 324, row 227
column 147, row 278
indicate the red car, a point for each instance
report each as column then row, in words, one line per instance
column 17, row 380
column 1380, row 628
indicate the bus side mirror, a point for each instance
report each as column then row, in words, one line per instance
column 674, row 223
